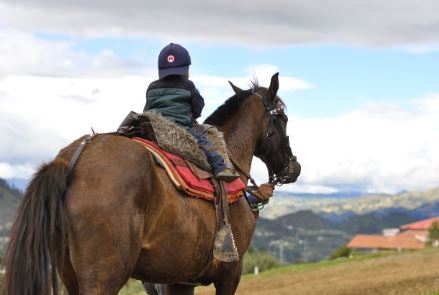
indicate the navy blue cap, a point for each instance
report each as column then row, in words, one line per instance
column 174, row 59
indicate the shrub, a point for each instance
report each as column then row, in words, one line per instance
column 261, row 259
column 341, row 251
column 433, row 233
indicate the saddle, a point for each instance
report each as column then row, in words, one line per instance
column 188, row 177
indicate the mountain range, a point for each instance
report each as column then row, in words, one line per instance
column 303, row 228
column 305, row 236
column 418, row 204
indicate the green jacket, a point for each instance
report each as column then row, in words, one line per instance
column 175, row 99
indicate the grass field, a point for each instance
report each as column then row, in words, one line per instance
column 406, row 273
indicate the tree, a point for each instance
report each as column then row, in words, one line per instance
column 433, row 234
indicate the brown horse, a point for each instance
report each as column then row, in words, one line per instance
column 117, row 215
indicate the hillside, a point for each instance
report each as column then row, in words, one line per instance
column 305, row 236
column 298, row 237
column 407, row 273
column 9, row 199
column 302, row 236
column 420, row 204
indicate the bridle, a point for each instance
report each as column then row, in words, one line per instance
column 284, row 175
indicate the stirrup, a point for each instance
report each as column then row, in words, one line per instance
column 227, row 175
column 256, row 204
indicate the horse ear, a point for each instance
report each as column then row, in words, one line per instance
column 235, row 88
column 274, row 85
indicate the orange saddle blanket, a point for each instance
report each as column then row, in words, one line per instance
column 188, row 177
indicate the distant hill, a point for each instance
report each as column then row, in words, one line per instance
column 18, row 183
column 419, row 204
column 374, row 222
column 306, row 228
column 299, row 237
column 305, row 220
column 9, row 199
column 305, row 236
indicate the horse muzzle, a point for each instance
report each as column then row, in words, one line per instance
column 292, row 171
column 289, row 174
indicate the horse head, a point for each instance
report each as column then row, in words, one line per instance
column 273, row 145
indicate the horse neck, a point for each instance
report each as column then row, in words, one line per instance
column 242, row 130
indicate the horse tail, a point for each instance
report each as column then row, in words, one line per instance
column 38, row 236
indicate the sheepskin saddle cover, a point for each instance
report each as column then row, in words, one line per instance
column 177, row 140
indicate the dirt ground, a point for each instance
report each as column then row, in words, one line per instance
column 409, row 273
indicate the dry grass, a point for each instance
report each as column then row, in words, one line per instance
column 409, row 273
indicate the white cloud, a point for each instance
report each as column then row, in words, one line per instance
column 42, row 114
column 216, row 89
column 49, row 111
column 23, row 54
column 51, row 94
column 16, row 171
column 406, row 23
column 377, row 148
column 263, row 73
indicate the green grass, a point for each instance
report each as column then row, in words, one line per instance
column 133, row 287
column 296, row 268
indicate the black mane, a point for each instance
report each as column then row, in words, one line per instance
column 224, row 111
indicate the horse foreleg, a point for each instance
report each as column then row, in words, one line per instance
column 228, row 280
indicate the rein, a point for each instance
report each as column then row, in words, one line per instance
column 242, row 171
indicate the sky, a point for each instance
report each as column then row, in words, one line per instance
column 360, row 78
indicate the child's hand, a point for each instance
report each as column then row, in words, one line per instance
column 266, row 190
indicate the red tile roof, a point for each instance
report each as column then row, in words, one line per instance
column 405, row 240
column 420, row 225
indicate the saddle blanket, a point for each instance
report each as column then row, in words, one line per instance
column 188, row 177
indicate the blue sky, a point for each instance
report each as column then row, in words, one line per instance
column 360, row 78
column 345, row 76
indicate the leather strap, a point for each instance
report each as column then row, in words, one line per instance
column 78, row 151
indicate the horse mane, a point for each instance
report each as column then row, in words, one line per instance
column 231, row 105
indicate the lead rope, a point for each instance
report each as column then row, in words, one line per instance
column 243, row 172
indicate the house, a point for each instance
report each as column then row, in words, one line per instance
column 422, row 225
column 408, row 237
column 401, row 241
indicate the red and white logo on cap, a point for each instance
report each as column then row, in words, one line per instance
column 171, row 58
